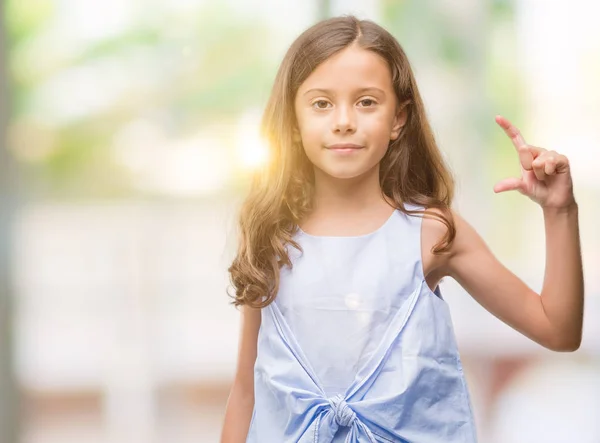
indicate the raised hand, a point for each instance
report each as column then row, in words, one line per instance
column 545, row 175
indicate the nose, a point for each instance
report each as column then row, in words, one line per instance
column 344, row 120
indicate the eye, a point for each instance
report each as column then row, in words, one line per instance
column 320, row 104
column 368, row 102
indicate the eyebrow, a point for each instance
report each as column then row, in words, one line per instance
column 330, row 92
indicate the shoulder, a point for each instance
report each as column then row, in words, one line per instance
column 466, row 239
column 434, row 230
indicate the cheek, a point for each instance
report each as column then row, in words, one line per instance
column 378, row 126
column 382, row 120
column 312, row 131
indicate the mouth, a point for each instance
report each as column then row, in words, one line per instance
column 344, row 147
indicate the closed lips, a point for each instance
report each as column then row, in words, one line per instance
column 344, row 146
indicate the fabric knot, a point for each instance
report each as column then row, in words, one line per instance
column 344, row 415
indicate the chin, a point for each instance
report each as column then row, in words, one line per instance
column 344, row 173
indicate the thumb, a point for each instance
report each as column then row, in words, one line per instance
column 509, row 184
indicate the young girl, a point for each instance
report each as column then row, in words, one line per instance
column 344, row 238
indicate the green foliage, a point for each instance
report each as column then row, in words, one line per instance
column 203, row 66
column 24, row 18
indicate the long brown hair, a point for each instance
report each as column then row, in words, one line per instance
column 411, row 171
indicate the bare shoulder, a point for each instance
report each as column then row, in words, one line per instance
column 432, row 227
column 433, row 230
column 466, row 247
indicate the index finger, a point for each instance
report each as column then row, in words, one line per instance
column 525, row 156
column 512, row 131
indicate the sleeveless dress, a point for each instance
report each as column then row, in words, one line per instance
column 356, row 348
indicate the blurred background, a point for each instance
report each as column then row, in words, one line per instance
column 129, row 129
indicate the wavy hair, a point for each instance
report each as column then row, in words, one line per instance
column 411, row 171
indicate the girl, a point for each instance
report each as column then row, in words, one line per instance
column 344, row 238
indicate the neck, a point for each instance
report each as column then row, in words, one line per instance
column 347, row 196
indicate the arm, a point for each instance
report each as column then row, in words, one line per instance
column 562, row 292
column 240, row 404
column 554, row 319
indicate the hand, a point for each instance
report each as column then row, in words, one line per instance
column 545, row 175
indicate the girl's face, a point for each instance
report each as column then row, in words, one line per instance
column 347, row 113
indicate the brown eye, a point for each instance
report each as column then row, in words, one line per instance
column 320, row 104
column 367, row 102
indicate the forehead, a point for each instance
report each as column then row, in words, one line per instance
column 352, row 68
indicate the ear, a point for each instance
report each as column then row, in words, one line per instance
column 399, row 120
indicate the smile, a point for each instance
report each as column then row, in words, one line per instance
column 344, row 147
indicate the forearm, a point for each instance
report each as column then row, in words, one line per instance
column 562, row 292
column 238, row 414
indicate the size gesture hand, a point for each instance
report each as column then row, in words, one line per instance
column 545, row 175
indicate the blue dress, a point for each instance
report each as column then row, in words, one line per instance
column 356, row 348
